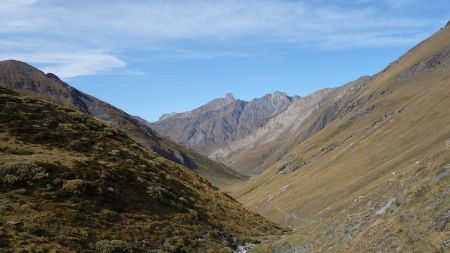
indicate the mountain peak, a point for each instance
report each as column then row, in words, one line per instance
column 229, row 96
column 167, row 115
column 14, row 65
column 279, row 94
column 448, row 24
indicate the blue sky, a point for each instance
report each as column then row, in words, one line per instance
column 154, row 57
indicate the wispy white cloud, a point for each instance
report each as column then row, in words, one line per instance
column 397, row 4
column 78, row 63
column 14, row 4
column 65, row 33
column 70, row 64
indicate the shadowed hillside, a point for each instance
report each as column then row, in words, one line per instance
column 23, row 78
column 71, row 183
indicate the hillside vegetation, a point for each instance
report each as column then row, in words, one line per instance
column 28, row 80
column 72, row 183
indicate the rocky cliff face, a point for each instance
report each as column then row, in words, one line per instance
column 26, row 79
column 222, row 121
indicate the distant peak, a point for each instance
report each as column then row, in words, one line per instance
column 448, row 24
column 229, row 96
column 167, row 116
column 16, row 64
column 276, row 95
column 279, row 93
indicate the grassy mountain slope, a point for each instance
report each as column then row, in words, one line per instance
column 376, row 178
column 23, row 78
column 71, row 183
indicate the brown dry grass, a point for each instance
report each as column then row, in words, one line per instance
column 385, row 148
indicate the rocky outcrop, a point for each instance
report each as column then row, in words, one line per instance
column 291, row 119
column 435, row 62
column 222, row 121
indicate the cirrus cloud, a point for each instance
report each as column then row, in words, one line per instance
column 89, row 37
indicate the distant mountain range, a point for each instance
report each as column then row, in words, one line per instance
column 222, row 121
column 230, row 130
column 359, row 168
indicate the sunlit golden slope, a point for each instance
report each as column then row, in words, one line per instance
column 377, row 176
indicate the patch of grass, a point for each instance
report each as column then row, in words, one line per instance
column 34, row 228
column 114, row 246
column 226, row 250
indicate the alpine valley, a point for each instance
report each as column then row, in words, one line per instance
column 364, row 167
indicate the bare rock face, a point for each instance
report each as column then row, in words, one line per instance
column 437, row 61
column 222, row 121
column 289, row 119
column 258, row 111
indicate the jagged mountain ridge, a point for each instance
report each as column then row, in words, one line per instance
column 250, row 150
column 26, row 79
column 222, row 121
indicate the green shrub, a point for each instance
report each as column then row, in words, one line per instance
column 78, row 116
column 166, row 197
column 78, row 187
column 251, row 240
column 34, row 228
column 20, row 174
column 4, row 242
column 160, row 193
column 81, row 145
column 65, row 126
column 114, row 246
column 226, row 250
column 16, row 151
column 109, row 215
column 114, row 152
column 78, row 232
